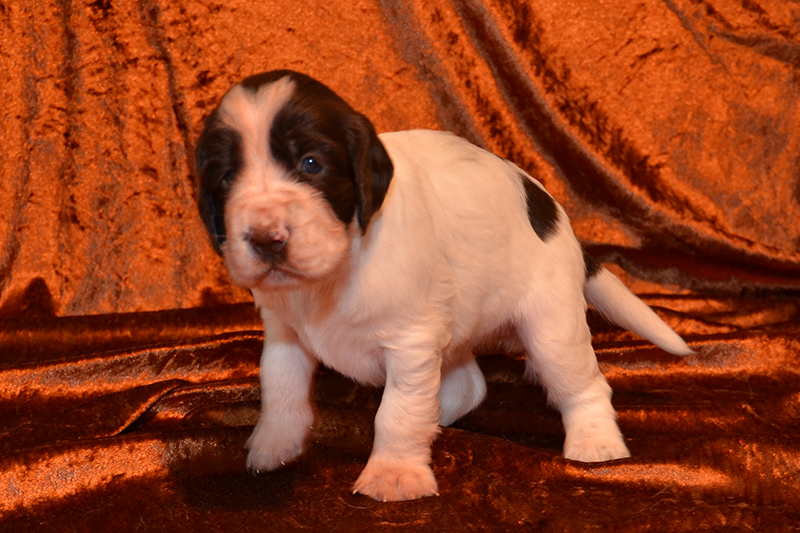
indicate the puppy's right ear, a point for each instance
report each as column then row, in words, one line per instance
column 218, row 159
column 372, row 167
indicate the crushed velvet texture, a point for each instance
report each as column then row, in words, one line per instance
column 670, row 131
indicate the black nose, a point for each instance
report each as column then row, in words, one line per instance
column 268, row 245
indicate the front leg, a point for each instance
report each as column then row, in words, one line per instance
column 406, row 424
column 287, row 415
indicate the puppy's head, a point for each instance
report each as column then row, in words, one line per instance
column 287, row 171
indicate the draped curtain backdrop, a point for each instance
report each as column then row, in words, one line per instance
column 669, row 130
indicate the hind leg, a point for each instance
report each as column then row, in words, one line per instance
column 463, row 389
column 560, row 355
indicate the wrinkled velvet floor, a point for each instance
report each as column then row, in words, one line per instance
column 140, row 425
column 670, row 131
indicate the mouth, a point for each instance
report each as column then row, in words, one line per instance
column 275, row 277
column 252, row 272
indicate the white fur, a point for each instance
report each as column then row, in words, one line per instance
column 613, row 299
column 448, row 260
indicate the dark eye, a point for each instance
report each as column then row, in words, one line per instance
column 311, row 166
column 227, row 178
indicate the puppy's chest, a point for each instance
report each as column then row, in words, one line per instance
column 342, row 345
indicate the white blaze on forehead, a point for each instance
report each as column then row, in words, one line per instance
column 252, row 113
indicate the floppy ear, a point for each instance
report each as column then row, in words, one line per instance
column 217, row 159
column 372, row 168
column 205, row 201
column 213, row 219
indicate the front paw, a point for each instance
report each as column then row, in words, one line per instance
column 596, row 444
column 391, row 480
column 272, row 446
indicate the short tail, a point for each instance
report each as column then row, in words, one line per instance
column 616, row 302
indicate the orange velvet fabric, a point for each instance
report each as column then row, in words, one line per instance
column 670, row 131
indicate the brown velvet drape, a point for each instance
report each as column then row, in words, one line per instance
column 669, row 130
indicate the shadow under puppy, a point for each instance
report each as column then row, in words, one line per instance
column 389, row 258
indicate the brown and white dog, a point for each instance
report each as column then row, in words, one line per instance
column 389, row 258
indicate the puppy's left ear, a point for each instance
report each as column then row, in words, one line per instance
column 372, row 168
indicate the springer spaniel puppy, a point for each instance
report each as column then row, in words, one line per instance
column 389, row 258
